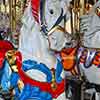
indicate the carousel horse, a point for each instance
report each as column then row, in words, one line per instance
column 42, row 33
column 83, row 60
column 90, row 51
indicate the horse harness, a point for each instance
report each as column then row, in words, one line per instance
column 72, row 57
column 89, row 56
column 42, row 18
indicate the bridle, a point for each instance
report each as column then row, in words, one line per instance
column 56, row 27
column 44, row 29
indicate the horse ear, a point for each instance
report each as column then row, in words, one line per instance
column 35, row 9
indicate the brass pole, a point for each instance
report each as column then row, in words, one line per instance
column 76, row 16
column 14, row 15
column 5, row 6
column 71, row 20
column 0, row 6
column 95, row 1
column 82, row 6
column 10, row 13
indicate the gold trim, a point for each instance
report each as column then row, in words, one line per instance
column 58, row 28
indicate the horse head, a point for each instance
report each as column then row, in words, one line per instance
column 54, row 29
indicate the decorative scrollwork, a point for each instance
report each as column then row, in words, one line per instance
column 11, row 58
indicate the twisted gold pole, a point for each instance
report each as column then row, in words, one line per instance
column 82, row 7
column 77, row 10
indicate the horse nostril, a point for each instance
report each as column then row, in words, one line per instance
column 68, row 43
column 51, row 11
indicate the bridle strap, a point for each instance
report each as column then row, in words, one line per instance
column 60, row 18
column 43, row 21
column 42, row 10
column 42, row 17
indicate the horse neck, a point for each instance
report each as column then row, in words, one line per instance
column 92, row 41
column 34, row 46
column 31, row 43
column 45, row 55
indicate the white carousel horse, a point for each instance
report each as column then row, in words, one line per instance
column 89, row 61
column 37, row 45
column 88, row 54
column 90, row 27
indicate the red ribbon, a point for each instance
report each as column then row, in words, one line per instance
column 35, row 9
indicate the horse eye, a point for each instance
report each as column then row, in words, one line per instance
column 51, row 11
